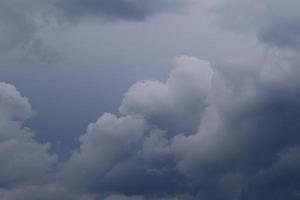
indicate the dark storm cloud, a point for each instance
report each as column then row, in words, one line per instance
column 275, row 22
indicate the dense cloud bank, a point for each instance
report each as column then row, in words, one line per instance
column 214, row 132
column 245, row 147
column 241, row 141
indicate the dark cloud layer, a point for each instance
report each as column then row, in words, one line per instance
column 117, row 9
column 275, row 22
column 20, row 21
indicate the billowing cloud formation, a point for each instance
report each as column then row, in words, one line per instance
column 22, row 158
column 245, row 144
column 132, row 154
column 207, row 132
column 275, row 22
column 175, row 105
column 241, row 140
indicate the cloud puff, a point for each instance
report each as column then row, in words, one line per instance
column 22, row 158
column 12, row 105
column 107, row 142
column 121, row 155
column 175, row 105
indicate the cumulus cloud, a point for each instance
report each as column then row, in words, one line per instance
column 207, row 132
column 246, row 138
column 22, row 158
column 131, row 154
column 123, row 156
column 107, row 142
column 175, row 105
column 243, row 142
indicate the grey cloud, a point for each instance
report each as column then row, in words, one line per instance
column 123, row 197
column 13, row 106
column 279, row 181
column 244, row 129
column 137, row 197
column 207, row 132
column 20, row 22
column 16, row 27
column 247, row 139
column 275, row 22
column 175, row 105
column 131, row 154
column 109, row 141
column 121, row 155
column 38, row 192
column 243, row 144
column 22, row 158
column 118, row 9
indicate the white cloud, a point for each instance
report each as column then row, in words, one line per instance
column 178, row 102
column 107, row 143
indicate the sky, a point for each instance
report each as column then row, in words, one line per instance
column 149, row 99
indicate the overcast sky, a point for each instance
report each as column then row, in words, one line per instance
column 149, row 99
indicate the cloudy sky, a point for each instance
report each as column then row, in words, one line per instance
column 149, row 99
